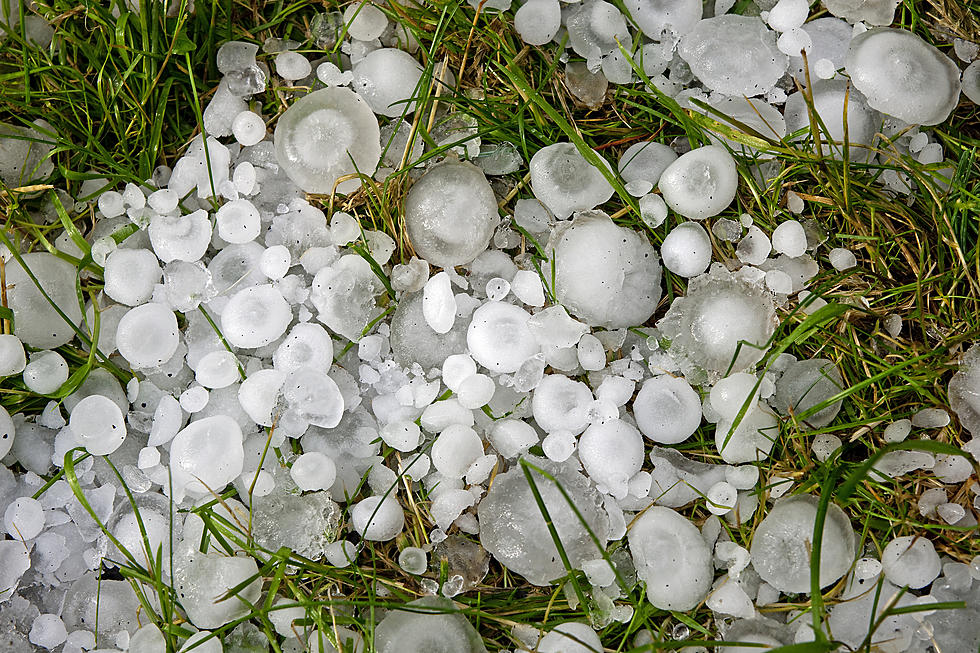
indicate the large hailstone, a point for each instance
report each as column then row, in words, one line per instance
column 721, row 326
column 387, row 79
column 38, row 322
column 964, row 391
column 903, row 76
column 656, row 16
column 734, row 55
column 564, row 181
column 605, row 274
column 782, row 545
column 430, row 624
column 667, row 409
column 672, row 559
column 701, row 183
column 450, row 214
column 831, row 99
column 326, row 135
column 514, row 531
column 206, row 456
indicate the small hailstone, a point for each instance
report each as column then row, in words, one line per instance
column 950, row 512
column 930, row 418
column 48, row 631
column 365, row 22
column 194, row 399
column 653, row 210
column 779, row 282
column 98, row 424
column 24, row 518
column 893, row 325
column 111, row 204
column 527, row 287
column 788, row 14
column 842, row 259
column 789, row 238
column 476, row 391
column 721, row 498
column 292, row 66
column 413, row 560
column 897, row 431
column 599, row 572
column 558, row 445
column 497, row 289
column 686, row 251
column 701, row 183
column 742, row 477
column 754, row 248
column 778, row 486
column 313, row 471
column 794, row 41
column 591, row 354
column 439, row 303
column 910, row 560
column 328, row 73
column 794, row 203
column 824, row 446
column 456, row 369
column 538, row 21
column 45, row 373
column 378, row 519
column 148, row 457
column 825, row 68
column 275, row 262
column 13, row 359
column 341, row 553
column 401, row 435
column 248, row 128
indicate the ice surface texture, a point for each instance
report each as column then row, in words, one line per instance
column 672, row 559
column 326, row 135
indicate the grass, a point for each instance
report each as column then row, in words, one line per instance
column 123, row 92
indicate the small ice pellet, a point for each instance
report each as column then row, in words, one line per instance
column 275, row 262
column 867, row 568
column 591, row 353
column 341, row 553
column 893, row 325
column 401, row 435
column 497, row 289
column 413, row 560
column 456, row 369
column 897, row 431
column 558, row 446
column 789, row 238
column 951, row 512
column 148, row 457
column 842, row 259
column 527, row 287
column 194, row 399
column 98, row 424
column 331, row 75
column 639, row 187
column 930, row 418
column 238, row 222
column 248, row 128
column 824, row 69
column 722, row 497
column 24, row 518
column 13, row 359
column 476, row 391
column 779, row 282
column 46, row 372
column 111, row 204
column 794, row 203
column 917, row 142
column 742, row 477
column 163, row 201
column 244, row 178
column 217, row 369
column 292, row 66
column 312, row 471
column 653, row 210
column 365, row 22
column 824, row 446
column 48, row 631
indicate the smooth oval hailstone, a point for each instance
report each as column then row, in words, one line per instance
column 734, row 55
column 430, row 624
column 701, row 183
column 206, row 456
column 450, row 214
column 806, row 384
column 686, row 250
column 98, row 424
column 656, row 16
column 910, row 560
column 612, row 453
column 564, row 181
column 38, row 322
column 667, row 409
column 499, row 338
column 672, row 559
column 255, row 317
column 386, row 79
column 147, row 335
column 605, row 274
column 326, row 135
column 782, row 544
column 903, row 76
column 832, row 99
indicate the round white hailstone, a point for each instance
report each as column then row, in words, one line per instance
column 439, row 303
column 206, row 456
column 328, row 73
column 564, row 181
column 180, row 237
column 645, row 161
column 313, row 471
column 217, row 369
column 401, row 435
column 292, row 66
column 734, row 55
column 675, row 16
column 742, row 477
column 667, row 409
column 378, row 519
column 13, row 359
column 793, row 42
column 325, row 135
column 147, row 335
column 911, row 561
column 244, row 178
column 387, row 79
column 38, row 323
column 611, row 452
column 149, row 639
column 752, row 440
column 779, row 282
column 671, row 557
column 781, row 545
column 560, row 404
column 7, row 432
column 313, row 397
column 164, row 200
column 730, row 394
column 842, row 259
column 450, row 214
column 248, row 128
column 825, row 68
column 24, row 518
column 538, row 21
column 527, row 287
column 686, row 251
column 512, row 437
column 456, row 369
column 497, row 289
column 653, row 210
column 476, row 391
column 789, row 238
column 701, row 183
column 596, row 28
column 570, row 637
column 255, row 316
column 364, row 21
column 130, row 275
column 259, row 395
column 605, row 274
column 499, row 338
column 111, row 204
column 903, row 76
column 950, row 512
column 456, row 448
column 306, row 345
column 46, row 373
column 721, row 498
column 413, row 560
column 558, row 445
column 275, row 262
column 788, row 14
column 194, row 399
column 98, row 424
column 197, row 644
column 48, row 631
column 971, row 82
column 591, row 353
column 238, row 222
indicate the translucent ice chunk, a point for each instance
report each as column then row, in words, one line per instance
column 564, row 181
column 645, row 161
column 596, row 28
column 829, row 99
column 180, row 237
column 671, row 557
column 306, row 523
column 807, row 384
column 701, row 183
column 387, row 79
column 570, row 637
column 872, row 12
column 752, row 439
column 344, row 295
column 413, row 341
column 781, row 546
column 903, row 76
column 450, row 214
column 202, row 580
column 427, row 625
column 910, row 560
column 326, row 135
column 37, row 321
column 964, row 391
